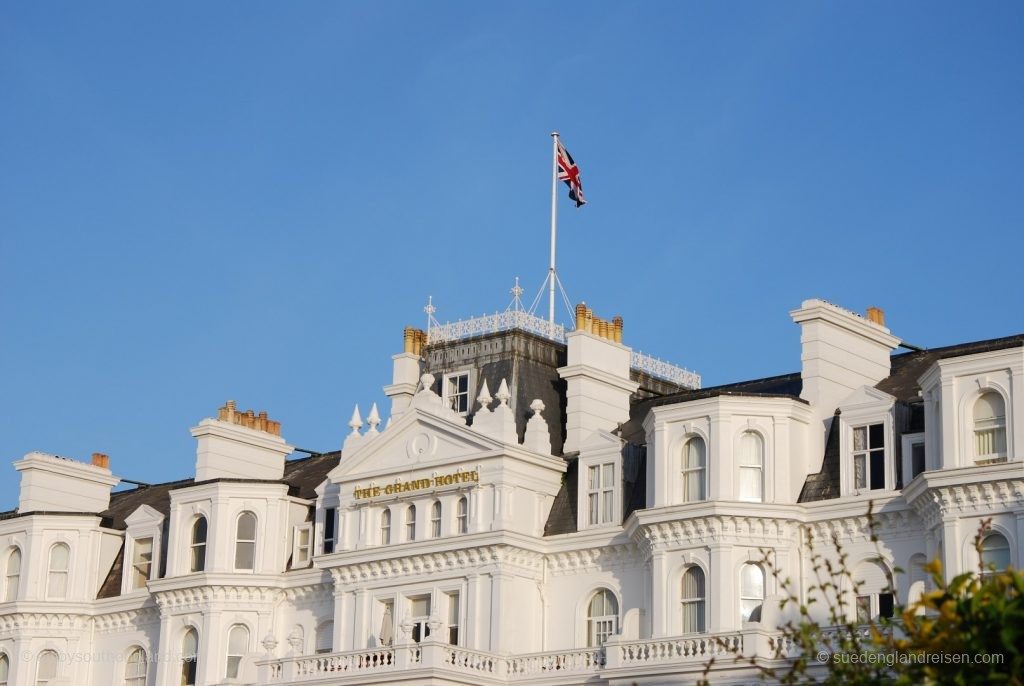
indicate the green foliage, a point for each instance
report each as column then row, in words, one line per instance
column 933, row 641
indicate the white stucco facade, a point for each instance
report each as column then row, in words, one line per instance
column 459, row 547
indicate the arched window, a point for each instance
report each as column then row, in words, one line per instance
column 995, row 553
column 693, row 600
column 751, row 592
column 12, row 575
column 751, row 461
column 46, row 667
column 135, row 668
column 198, row 547
column 990, row 426
column 238, row 646
column 694, row 471
column 325, row 636
column 873, row 589
column 5, row 668
column 385, row 526
column 57, row 578
column 245, row 541
column 462, row 516
column 189, row 657
column 435, row 519
column 410, row 523
column 602, row 617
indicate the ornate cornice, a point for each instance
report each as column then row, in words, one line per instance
column 126, row 619
column 588, row 559
column 510, row 558
column 971, row 499
column 859, row 528
column 735, row 529
column 202, row 598
column 56, row 622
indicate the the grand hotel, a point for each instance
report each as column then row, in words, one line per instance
column 537, row 506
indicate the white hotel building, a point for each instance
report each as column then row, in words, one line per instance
column 540, row 507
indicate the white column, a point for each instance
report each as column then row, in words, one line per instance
column 659, row 601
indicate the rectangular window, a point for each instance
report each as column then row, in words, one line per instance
column 142, row 562
column 330, row 524
column 302, row 545
column 869, row 457
column 601, row 493
column 863, row 609
column 419, row 613
column 456, row 392
column 453, row 619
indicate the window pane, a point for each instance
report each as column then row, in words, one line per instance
column 46, row 667
column 607, row 477
column 199, row 531
column 859, row 476
column 247, row 526
column 885, row 604
column 751, row 449
column 877, row 435
column 419, row 607
column 606, row 510
column 860, row 438
column 5, row 666
column 325, row 637
column 245, row 555
column 238, row 640
column 877, row 470
column 330, row 515
column 592, row 506
column 592, row 477
column 863, row 609
column 190, row 643
column 142, row 561
column 989, row 406
column 750, row 483
column 995, row 552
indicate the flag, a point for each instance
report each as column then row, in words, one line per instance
column 570, row 173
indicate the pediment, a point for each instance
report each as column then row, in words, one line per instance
column 866, row 396
column 415, row 439
column 600, row 442
column 144, row 515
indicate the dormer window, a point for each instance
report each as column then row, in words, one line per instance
column 142, row 562
column 869, row 457
column 990, row 427
column 601, row 493
column 456, row 391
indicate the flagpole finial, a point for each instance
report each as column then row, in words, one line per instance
column 554, row 134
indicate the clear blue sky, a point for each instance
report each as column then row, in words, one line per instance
column 250, row 200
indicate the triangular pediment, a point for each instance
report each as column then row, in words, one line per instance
column 414, row 440
column 144, row 515
column 866, row 396
column 600, row 442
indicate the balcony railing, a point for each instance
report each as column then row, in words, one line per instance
column 524, row 321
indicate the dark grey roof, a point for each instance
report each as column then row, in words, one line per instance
column 825, row 484
column 907, row 368
column 562, row 517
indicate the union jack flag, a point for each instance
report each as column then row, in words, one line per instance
column 570, row 173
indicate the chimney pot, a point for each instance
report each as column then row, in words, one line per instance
column 876, row 315
column 407, row 336
column 101, row 460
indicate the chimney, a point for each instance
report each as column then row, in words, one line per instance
column 242, row 445
column 598, row 386
column 100, row 460
column 841, row 351
column 406, row 371
column 57, row 484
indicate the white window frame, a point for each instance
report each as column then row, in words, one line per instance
column 299, row 560
column 453, row 601
column 759, row 467
column 40, row 680
column 601, row 493
column 873, row 601
column 5, row 666
column 52, row 573
column 604, row 450
column 989, row 458
column 436, row 512
column 462, row 515
column 233, row 661
column 329, row 544
column 699, row 602
column 600, row 628
column 907, row 443
column 386, row 525
column 320, row 646
column 11, row 594
column 409, row 516
column 468, row 394
column 685, row 470
column 190, row 659
column 420, row 622
column 143, row 666
column 867, row 453
column 193, row 546
column 133, row 582
column 144, row 522
column 745, row 598
column 254, row 542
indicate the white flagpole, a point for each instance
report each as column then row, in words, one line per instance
column 554, row 224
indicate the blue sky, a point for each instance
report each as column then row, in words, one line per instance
column 250, row 200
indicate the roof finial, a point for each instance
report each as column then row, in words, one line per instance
column 503, row 395
column 373, row 420
column 356, row 422
column 517, row 293
column 485, row 397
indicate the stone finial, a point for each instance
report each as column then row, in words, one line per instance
column 503, row 395
column 485, row 397
column 537, row 437
column 356, row 422
column 269, row 643
column 295, row 640
column 427, row 381
column 373, row 420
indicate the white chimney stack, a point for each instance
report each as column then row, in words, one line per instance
column 57, row 484
column 240, row 445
